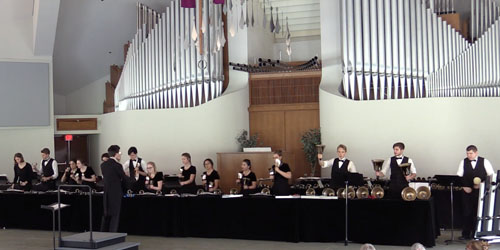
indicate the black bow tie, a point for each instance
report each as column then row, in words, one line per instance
column 399, row 158
column 473, row 160
column 341, row 160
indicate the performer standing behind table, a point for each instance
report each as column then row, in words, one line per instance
column 154, row 179
column 470, row 167
column 69, row 176
column 398, row 180
column 340, row 166
column 85, row 174
column 114, row 179
column 246, row 178
column 280, row 173
column 48, row 172
column 187, row 175
column 210, row 178
column 23, row 173
column 134, row 169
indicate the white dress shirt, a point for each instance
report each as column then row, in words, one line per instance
column 350, row 167
column 127, row 163
column 54, row 168
column 487, row 166
column 387, row 164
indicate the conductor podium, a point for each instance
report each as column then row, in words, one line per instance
column 90, row 239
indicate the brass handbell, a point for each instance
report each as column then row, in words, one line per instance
column 423, row 193
column 310, row 192
column 406, row 168
column 200, row 191
column 265, row 191
column 409, row 194
column 377, row 164
column 217, row 191
column 233, row 191
column 377, row 192
column 320, row 148
column 362, row 193
column 173, row 191
column 328, row 192
column 350, row 193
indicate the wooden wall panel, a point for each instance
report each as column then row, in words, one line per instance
column 269, row 127
column 285, row 133
column 76, row 124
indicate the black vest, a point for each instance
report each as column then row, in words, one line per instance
column 470, row 173
column 342, row 170
column 131, row 166
column 397, row 177
column 47, row 168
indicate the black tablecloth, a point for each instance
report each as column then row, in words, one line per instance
column 390, row 222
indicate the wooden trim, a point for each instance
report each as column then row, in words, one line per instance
column 76, row 124
column 286, row 75
column 283, row 107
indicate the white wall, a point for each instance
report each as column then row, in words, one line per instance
column 87, row 100
column 59, row 104
column 163, row 135
column 302, row 49
column 436, row 131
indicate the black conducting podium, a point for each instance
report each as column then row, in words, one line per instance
column 451, row 181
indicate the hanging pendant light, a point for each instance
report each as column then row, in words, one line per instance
column 278, row 27
column 271, row 23
column 264, row 18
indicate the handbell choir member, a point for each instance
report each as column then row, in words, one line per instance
column 23, row 173
column 135, row 169
column 48, row 172
column 154, row 179
column 69, row 176
column 398, row 179
column 210, row 177
column 469, row 168
column 281, row 174
column 85, row 174
column 340, row 166
column 246, row 178
column 187, row 175
column 114, row 180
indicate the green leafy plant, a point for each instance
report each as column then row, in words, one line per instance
column 309, row 141
column 246, row 141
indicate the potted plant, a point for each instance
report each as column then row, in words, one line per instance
column 246, row 141
column 309, row 140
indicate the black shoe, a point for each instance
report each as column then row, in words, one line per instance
column 464, row 238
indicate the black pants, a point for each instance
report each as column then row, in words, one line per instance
column 469, row 205
column 110, row 223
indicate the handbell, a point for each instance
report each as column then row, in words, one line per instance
column 265, row 191
column 477, row 180
column 362, row 193
column 377, row 192
column 233, row 191
column 320, row 148
column 310, row 192
column 409, row 194
column 173, row 191
column 350, row 193
column 200, row 191
column 328, row 192
column 406, row 168
column 423, row 193
column 217, row 191
column 377, row 164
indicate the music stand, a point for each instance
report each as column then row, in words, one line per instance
column 450, row 180
column 355, row 179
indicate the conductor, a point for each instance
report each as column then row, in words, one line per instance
column 114, row 177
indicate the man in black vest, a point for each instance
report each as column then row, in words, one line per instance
column 134, row 168
column 471, row 167
column 340, row 166
column 114, row 178
column 48, row 172
column 398, row 180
